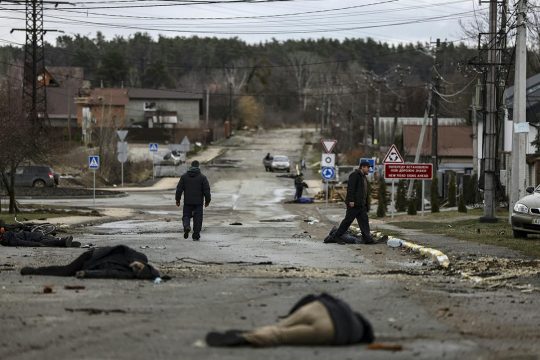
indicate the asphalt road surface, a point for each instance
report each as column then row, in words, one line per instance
column 245, row 275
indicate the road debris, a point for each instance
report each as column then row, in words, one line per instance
column 387, row 347
column 435, row 255
column 74, row 287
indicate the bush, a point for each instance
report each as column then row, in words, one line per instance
column 411, row 208
column 452, row 190
column 381, row 207
column 461, row 204
column 401, row 201
column 435, row 204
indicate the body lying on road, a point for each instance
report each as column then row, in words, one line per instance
column 114, row 262
column 34, row 239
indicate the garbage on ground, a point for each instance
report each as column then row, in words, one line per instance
column 74, row 287
column 157, row 280
column 152, row 247
column 435, row 255
column 387, row 347
column 236, row 223
column 48, row 289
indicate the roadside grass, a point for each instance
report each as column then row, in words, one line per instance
column 499, row 233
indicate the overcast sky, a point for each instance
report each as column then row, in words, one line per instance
column 385, row 20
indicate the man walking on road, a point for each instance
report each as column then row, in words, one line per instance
column 357, row 202
column 196, row 190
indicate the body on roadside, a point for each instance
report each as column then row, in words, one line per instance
column 196, row 190
column 114, row 262
column 313, row 320
column 34, row 239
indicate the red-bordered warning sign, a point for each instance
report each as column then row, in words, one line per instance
column 328, row 144
column 393, row 156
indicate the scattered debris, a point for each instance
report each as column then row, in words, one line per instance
column 74, row 287
column 304, row 235
column 94, row 311
column 48, row 289
column 152, row 247
column 236, row 223
column 387, row 347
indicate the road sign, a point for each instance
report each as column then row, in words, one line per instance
column 421, row 171
column 153, row 147
column 122, row 157
column 393, row 156
column 122, row 147
column 328, row 173
column 371, row 164
column 328, row 160
column 121, row 134
column 93, row 162
column 328, row 144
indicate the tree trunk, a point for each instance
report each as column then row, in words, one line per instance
column 10, row 187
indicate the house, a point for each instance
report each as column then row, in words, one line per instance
column 101, row 108
column 533, row 118
column 156, row 108
column 386, row 126
column 454, row 150
column 63, row 84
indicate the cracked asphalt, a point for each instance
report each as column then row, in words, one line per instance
column 246, row 275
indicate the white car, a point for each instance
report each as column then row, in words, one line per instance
column 281, row 162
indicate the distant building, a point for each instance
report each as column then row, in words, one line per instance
column 386, row 126
column 155, row 108
column 63, row 85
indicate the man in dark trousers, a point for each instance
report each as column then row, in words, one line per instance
column 196, row 190
column 357, row 202
column 299, row 185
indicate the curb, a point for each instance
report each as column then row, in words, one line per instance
column 434, row 254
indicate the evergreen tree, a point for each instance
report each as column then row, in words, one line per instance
column 461, row 204
column 381, row 207
column 435, row 195
column 401, row 201
column 452, row 190
column 411, row 206
column 418, row 194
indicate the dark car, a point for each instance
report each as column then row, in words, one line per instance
column 36, row 176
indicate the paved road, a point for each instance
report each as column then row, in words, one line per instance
column 245, row 275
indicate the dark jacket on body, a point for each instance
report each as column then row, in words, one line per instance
column 350, row 327
column 24, row 238
column 357, row 192
column 195, row 188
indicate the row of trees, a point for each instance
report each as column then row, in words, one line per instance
column 466, row 194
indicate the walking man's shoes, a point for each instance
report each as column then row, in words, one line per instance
column 186, row 232
column 196, row 237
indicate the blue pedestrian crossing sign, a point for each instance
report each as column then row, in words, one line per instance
column 371, row 164
column 153, row 147
column 93, row 162
column 328, row 173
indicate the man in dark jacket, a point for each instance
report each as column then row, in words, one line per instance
column 357, row 202
column 299, row 186
column 112, row 262
column 313, row 320
column 196, row 190
column 34, row 239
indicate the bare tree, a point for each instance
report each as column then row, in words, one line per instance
column 20, row 140
column 302, row 68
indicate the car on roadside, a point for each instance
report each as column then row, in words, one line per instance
column 526, row 214
column 280, row 163
column 36, row 176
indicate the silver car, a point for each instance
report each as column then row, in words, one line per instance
column 526, row 214
column 281, row 162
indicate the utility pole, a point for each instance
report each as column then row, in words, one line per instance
column 230, row 103
column 34, row 91
column 520, row 128
column 207, row 106
column 376, row 134
column 435, row 119
column 69, row 100
column 490, row 140
column 366, row 124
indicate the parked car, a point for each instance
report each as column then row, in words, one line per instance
column 36, row 176
column 174, row 157
column 526, row 214
column 281, row 162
